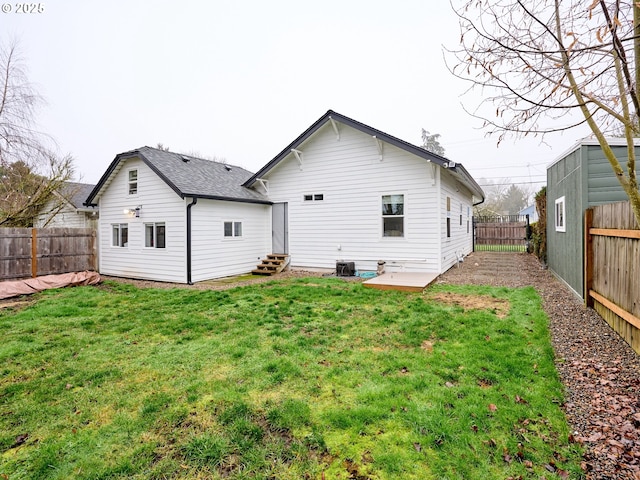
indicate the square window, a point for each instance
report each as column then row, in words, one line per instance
column 232, row 229
column 560, row 215
column 119, row 235
column 155, row 235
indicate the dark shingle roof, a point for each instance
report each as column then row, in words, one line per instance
column 190, row 176
column 76, row 193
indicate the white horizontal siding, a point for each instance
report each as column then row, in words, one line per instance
column 347, row 224
column 159, row 204
column 213, row 254
column 460, row 242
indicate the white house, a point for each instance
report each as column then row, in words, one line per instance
column 340, row 192
column 66, row 208
column 176, row 218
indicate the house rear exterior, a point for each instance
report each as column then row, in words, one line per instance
column 580, row 178
column 340, row 192
column 346, row 192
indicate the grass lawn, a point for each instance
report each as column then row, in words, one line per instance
column 308, row 378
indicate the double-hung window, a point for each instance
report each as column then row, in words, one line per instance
column 133, row 182
column 155, row 235
column 120, row 234
column 393, row 215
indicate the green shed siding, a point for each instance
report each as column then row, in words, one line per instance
column 564, row 179
column 602, row 185
column 585, row 178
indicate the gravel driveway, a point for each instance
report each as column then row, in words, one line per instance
column 599, row 369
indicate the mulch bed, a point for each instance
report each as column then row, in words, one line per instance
column 599, row 370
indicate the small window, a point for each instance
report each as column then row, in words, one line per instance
column 560, row 215
column 467, row 226
column 315, row 197
column 232, row 229
column 393, row 215
column 133, row 182
column 155, row 235
column 120, row 235
column 460, row 220
column 448, row 228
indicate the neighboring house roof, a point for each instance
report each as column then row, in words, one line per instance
column 75, row 194
column 188, row 176
column 456, row 169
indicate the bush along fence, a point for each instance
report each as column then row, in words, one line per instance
column 612, row 268
column 32, row 252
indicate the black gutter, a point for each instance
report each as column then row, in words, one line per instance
column 195, row 200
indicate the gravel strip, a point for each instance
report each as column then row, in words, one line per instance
column 599, row 370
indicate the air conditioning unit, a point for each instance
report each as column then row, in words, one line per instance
column 345, row 269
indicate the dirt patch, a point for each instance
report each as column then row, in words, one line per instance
column 499, row 306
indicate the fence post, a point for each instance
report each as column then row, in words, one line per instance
column 34, row 253
column 588, row 257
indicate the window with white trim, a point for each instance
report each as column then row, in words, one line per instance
column 133, row 182
column 120, row 235
column 155, row 235
column 560, row 216
column 313, row 197
column 393, row 215
column 232, row 229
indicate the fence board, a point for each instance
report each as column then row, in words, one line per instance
column 612, row 259
column 27, row 252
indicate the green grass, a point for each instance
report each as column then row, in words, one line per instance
column 308, row 378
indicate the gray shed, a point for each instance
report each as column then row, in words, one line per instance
column 580, row 178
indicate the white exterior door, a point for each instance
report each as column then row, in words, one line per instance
column 280, row 228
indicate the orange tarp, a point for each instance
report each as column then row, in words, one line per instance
column 33, row 285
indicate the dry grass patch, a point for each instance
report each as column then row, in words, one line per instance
column 500, row 306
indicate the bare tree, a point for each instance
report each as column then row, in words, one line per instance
column 551, row 65
column 30, row 169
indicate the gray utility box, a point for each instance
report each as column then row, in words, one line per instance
column 345, row 269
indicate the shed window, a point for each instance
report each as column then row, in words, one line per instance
column 232, row 229
column 133, row 182
column 155, row 235
column 393, row 215
column 120, row 234
column 560, row 215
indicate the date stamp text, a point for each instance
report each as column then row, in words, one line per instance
column 22, row 8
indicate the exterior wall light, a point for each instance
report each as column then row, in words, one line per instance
column 134, row 212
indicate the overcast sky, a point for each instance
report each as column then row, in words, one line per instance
column 240, row 80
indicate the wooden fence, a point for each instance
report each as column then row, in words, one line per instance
column 31, row 252
column 612, row 268
column 505, row 233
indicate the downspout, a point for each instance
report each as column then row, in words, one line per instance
column 195, row 200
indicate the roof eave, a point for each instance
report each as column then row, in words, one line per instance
column 429, row 156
